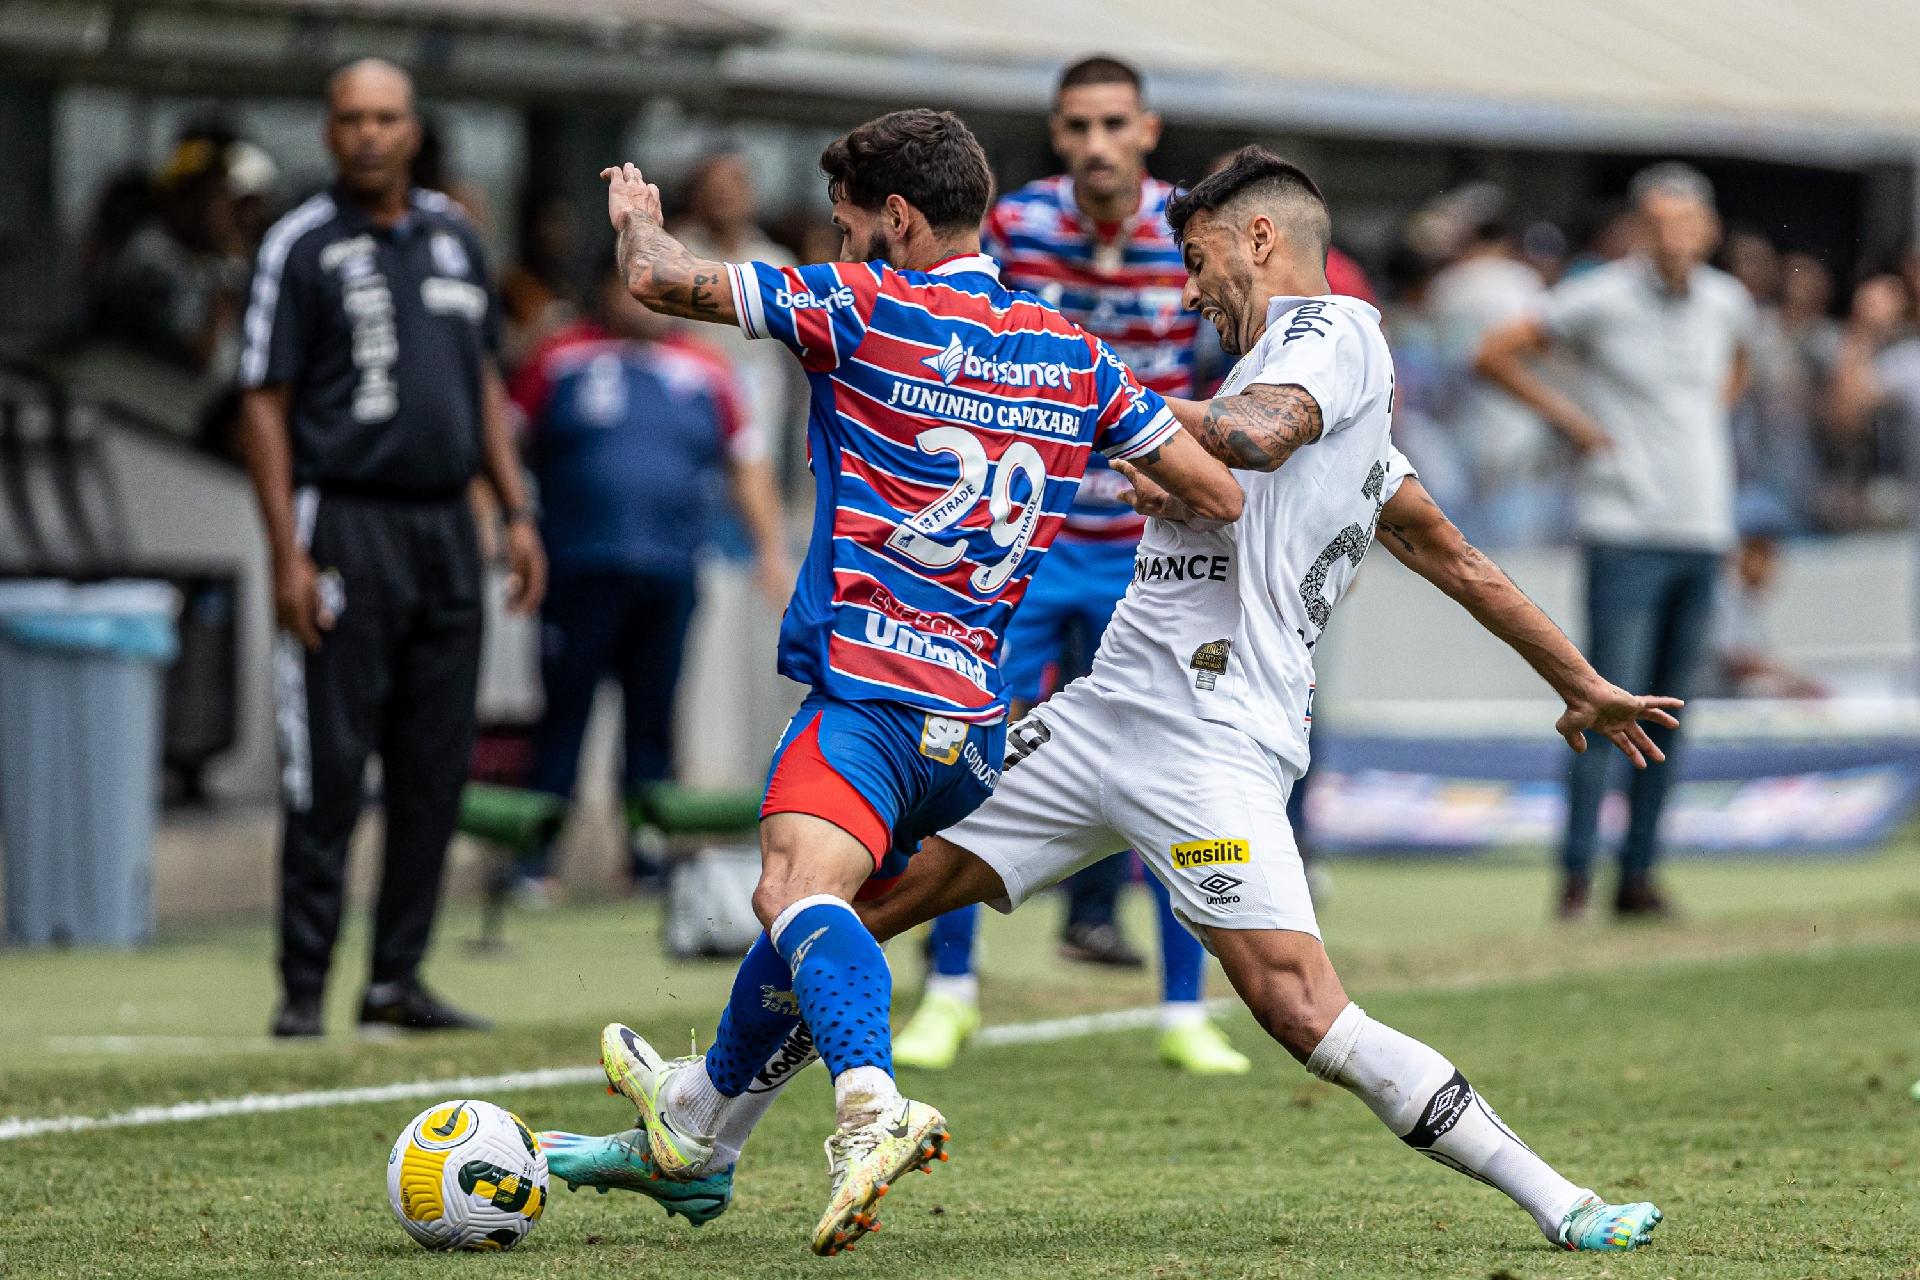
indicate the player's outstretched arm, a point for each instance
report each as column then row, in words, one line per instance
column 1190, row 477
column 1256, row 430
column 1420, row 536
column 660, row 271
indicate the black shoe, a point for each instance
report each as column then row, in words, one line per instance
column 411, row 1007
column 298, row 1017
column 1639, row 900
column 1100, row 944
column 1575, row 889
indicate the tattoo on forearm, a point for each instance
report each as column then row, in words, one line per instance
column 1260, row 428
column 1399, row 535
column 666, row 276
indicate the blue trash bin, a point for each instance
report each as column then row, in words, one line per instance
column 81, row 676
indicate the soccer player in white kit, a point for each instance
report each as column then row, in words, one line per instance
column 1185, row 739
column 1187, row 736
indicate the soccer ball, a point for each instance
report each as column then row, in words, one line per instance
column 467, row 1175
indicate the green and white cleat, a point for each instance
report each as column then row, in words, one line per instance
column 1593, row 1224
column 935, row 1034
column 864, row 1163
column 1202, row 1049
column 622, row 1160
column 640, row 1075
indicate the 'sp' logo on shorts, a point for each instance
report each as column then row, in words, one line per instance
column 941, row 739
column 1209, row 853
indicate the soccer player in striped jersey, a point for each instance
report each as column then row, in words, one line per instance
column 1093, row 241
column 951, row 422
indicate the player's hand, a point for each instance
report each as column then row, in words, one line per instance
column 526, row 568
column 1147, row 497
column 296, row 600
column 630, row 196
column 1616, row 715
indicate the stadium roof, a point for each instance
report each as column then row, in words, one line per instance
column 1829, row 80
column 1744, row 75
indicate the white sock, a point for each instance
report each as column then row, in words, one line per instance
column 742, row 1114
column 1429, row 1105
column 862, row 1095
column 1181, row 1013
column 964, row 987
column 693, row 1100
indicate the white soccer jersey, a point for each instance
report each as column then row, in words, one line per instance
column 1220, row 623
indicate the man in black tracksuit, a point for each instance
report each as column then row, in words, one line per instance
column 372, row 401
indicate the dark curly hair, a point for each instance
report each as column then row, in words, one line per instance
column 930, row 159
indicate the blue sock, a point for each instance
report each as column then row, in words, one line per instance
column 1180, row 952
column 759, row 1014
column 842, row 980
column 952, row 940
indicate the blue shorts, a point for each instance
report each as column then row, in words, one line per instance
column 1064, row 613
column 887, row 774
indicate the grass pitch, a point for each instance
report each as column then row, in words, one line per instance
column 1747, row 1071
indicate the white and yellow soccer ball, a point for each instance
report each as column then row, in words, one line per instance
column 467, row 1175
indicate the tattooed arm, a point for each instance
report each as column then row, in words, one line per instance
column 1421, row 537
column 660, row 271
column 1256, row 430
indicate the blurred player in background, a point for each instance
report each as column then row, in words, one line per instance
column 951, row 423
column 1093, row 242
column 629, row 429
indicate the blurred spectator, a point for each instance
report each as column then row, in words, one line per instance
column 1660, row 340
column 372, row 402
column 719, row 224
column 1874, row 401
column 1514, row 458
column 1746, row 654
column 1775, row 424
column 1420, row 379
column 536, row 292
column 628, row 426
column 173, row 287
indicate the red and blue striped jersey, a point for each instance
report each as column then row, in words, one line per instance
column 1120, row 283
column 951, row 422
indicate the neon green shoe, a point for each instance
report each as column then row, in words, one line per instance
column 1595, row 1224
column 864, row 1163
column 622, row 1160
column 1201, row 1049
column 933, row 1037
column 639, row 1075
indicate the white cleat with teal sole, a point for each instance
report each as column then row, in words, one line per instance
column 1595, row 1225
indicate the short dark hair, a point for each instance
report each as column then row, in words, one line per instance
column 1253, row 172
column 1098, row 69
column 930, row 159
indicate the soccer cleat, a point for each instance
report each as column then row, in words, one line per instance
column 1595, row 1224
column 640, row 1075
column 622, row 1160
column 864, row 1162
column 933, row 1037
column 1199, row 1048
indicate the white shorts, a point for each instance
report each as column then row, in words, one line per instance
column 1089, row 774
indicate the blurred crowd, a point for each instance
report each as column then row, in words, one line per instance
column 1822, row 433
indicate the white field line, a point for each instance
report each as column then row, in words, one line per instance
column 14, row 1127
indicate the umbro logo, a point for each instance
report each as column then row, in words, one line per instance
column 947, row 363
column 1220, row 889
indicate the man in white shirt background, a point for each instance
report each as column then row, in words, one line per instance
column 1658, row 340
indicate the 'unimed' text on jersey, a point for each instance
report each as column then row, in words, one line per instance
column 1120, row 283
column 951, row 422
column 1221, row 622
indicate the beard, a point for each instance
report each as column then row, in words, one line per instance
column 875, row 249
